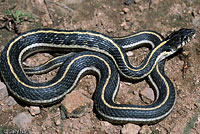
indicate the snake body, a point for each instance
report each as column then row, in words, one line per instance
column 103, row 56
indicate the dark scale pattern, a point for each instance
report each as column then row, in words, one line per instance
column 64, row 85
column 140, row 114
column 94, row 40
column 127, row 40
column 87, row 41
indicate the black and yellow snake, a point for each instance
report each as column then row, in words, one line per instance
column 98, row 54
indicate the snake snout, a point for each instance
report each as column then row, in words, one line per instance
column 188, row 34
column 180, row 38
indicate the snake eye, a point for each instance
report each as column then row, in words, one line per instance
column 185, row 38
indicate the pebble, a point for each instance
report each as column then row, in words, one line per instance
column 58, row 122
column 147, row 95
column 11, row 101
column 34, row 110
column 105, row 123
column 44, row 128
column 58, row 131
column 128, row 19
column 186, row 53
column 136, row 1
column 44, row 23
column 76, row 104
column 145, row 130
column 126, row 27
column 126, row 10
column 121, row 13
column 3, row 91
column 130, row 129
column 129, row 53
column 47, row 55
column 141, row 8
column 107, row 127
column 123, row 24
column 109, row 30
column 128, row 83
column 23, row 120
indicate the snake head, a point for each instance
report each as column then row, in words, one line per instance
column 178, row 39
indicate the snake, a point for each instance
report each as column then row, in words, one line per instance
column 101, row 55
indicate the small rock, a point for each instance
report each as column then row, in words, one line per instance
column 147, row 95
column 159, row 130
column 126, row 10
column 58, row 131
column 136, row 1
column 107, row 127
column 34, row 110
column 2, row 86
column 47, row 55
column 145, row 130
column 126, row 27
column 128, row 19
column 141, row 8
column 121, row 13
column 129, row 53
column 23, row 120
column 3, row 91
column 44, row 23
column 185, row 53
column 44, row 128
column 75, row 104
column 57, row 122
column 11, row 101
column 130, row 129
column 105, row 124
column 109, row 30
column 123, row 24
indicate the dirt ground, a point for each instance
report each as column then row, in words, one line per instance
column 112, row 18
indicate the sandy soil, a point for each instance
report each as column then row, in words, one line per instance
column 114, row 19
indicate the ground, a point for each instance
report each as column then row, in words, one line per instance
column 112, row 18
